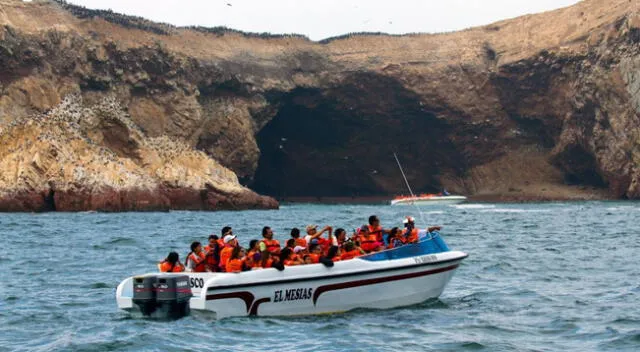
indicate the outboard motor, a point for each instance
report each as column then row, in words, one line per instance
column 144, row 293
column 163, row 296
column 173, row 294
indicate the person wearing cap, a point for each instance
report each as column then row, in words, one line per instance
column 299, row 250
column 410, row 233
column 312, row 233
column 230, row 243
column 268, row 243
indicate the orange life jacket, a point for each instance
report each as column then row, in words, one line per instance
column 225, row 254
column 211, row 256
column 166, row 267
column 199, row 260
column 315, row 258
column 268, row 264
column 368, row 242
column 375, row 231
column 254, row 263
column 301, row 242
column 350, row 255
column 234, row 265
column 412, row 237
column 273, row 246
column 292, row 261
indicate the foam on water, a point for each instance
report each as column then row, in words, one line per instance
column 472, row 206
column 540, row 277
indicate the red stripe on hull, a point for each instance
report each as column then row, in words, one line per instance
column 334, row 287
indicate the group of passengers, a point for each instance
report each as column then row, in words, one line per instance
column 224, row 254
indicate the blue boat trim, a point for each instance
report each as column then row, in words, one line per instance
column 430, row 243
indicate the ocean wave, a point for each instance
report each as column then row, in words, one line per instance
column 472, row 206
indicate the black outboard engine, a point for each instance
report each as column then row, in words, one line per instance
column 144, row 293
column 165, row 296
column 173, row 294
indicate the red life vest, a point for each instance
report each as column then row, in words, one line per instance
column 225, row 254
column 234, row 266
column 350, row 255
column 166, row 267
column 376, row 231
column 199, row 261
column 273, row 246
column 412, row 237
column 211, row 256
column 301, row 242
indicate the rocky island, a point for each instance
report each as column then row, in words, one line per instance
column 102, row 111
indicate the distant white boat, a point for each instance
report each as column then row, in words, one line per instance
column 428, row 199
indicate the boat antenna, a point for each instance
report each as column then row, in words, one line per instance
column 410, row 191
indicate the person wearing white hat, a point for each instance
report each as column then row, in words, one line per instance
column 410, row 233
column 230, row 243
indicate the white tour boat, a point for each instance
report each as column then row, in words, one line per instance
column 402, row 276
column 428, row 199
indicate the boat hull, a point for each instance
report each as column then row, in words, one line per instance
column 316, row 289
column 436, row 200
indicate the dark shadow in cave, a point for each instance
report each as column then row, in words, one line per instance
column 340, row 142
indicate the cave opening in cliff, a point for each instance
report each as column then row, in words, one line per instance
column 49, row 201
column 339, row 142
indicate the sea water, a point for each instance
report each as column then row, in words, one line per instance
column 539, row 277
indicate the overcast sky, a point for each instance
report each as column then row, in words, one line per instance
column 319, row 19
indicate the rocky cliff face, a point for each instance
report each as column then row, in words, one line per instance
column 77, row 158
column 539, row 107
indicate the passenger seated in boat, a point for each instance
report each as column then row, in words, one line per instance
column 350, row 251
column 394, row 240
column 315, row 252
column 268, row 243
column 307, row 259
column 333, row 253
column 171, row 264
column 254, row 253
column 196, row 259
column 288, row 257
column 230, row 242
column 376, row 229
column 227, row 230
column 312, row 233
column 339, row 237
column 237, row 261
column 295, row 235
column 368, row 241
column 300, row 251
column 291, row 243
column 410, row 233
column 271, row 261
column 213, row 253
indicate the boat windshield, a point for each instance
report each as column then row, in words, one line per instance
column 430, row 243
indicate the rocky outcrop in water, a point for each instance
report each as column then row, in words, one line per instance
column 539, row 107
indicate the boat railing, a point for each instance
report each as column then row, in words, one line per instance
column 430, row 243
